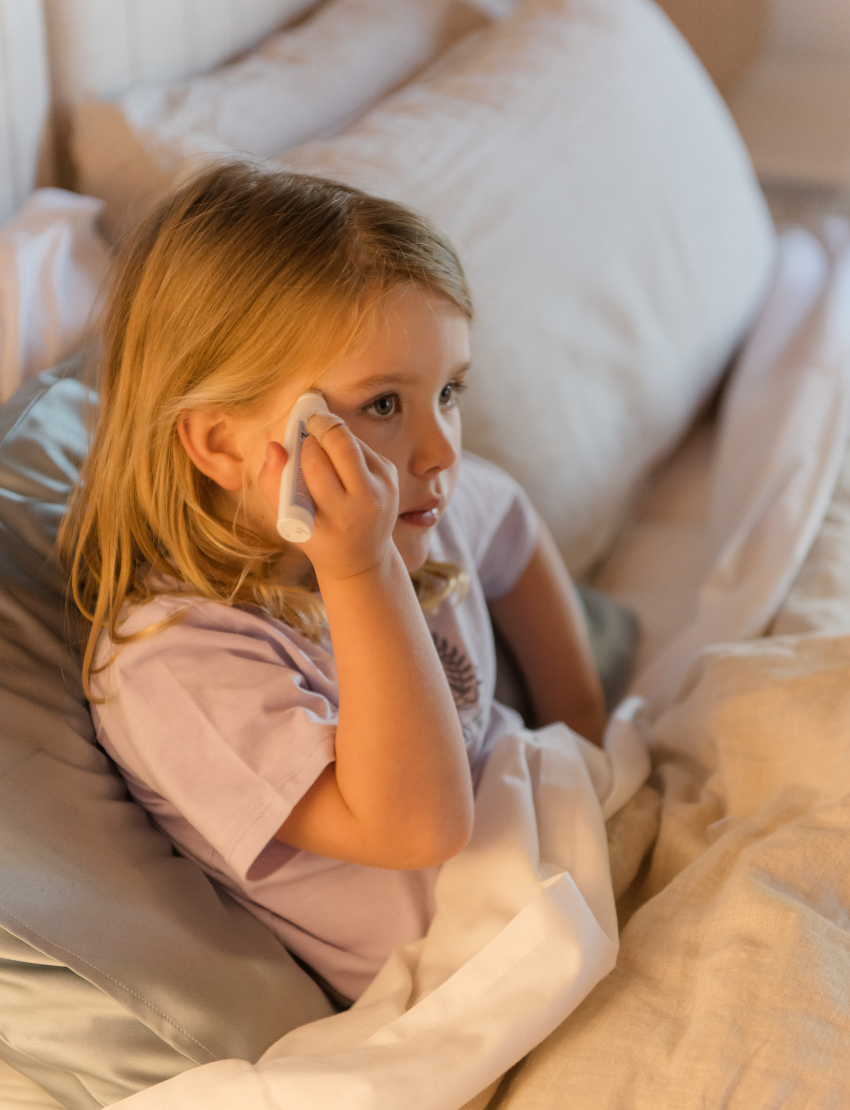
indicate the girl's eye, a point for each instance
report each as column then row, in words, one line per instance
column 450, row 393
column 384, row 406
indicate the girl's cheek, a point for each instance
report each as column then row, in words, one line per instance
column 412, row 548
column 374, row 436
column 450, row 476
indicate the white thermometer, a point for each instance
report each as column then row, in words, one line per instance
column 296, row 509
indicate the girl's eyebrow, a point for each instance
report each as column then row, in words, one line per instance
column 377, row 381
column 386, row 381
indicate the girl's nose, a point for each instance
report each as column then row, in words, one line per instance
column 435, row 448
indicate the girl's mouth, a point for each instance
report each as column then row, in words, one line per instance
column 425, row 516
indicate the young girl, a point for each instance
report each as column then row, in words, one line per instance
column 306, row 722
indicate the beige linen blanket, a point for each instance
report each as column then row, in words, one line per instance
column 733, row 980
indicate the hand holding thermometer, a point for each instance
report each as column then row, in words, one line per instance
column 296, row 509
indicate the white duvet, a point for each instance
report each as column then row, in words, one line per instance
column 525, row 927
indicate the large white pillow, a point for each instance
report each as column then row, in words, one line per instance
column 614, row 235
column 309, row 80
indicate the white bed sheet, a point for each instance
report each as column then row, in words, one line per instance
column 658, row 567
column 735, row 933
column 662, row 556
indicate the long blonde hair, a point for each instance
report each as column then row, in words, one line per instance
column 244, row 278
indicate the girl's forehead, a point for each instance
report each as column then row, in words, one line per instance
column 417, row 336
column 416, row 340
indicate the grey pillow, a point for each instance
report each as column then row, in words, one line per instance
column 121, row 963
column 614, row 631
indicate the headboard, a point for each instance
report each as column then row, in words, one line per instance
column 53, row 51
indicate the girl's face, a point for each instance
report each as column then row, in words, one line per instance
column 399, row 395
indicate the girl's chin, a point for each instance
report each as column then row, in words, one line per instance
column 414, row 556
column 413, row 565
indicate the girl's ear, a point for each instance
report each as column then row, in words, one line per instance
column 210, row 442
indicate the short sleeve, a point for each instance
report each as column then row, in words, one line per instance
column 499, row 523
column 214, row 716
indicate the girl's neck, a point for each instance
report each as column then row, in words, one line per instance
column 294, row 568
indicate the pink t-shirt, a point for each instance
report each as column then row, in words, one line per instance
column 222, row 722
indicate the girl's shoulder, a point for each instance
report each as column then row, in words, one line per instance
column 484, row 497
column 175, row 606
column 182, row 631
column 490, row 523
column 479, row 477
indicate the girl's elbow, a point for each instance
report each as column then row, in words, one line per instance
column 451, row 842
column 437, row 843
column 449, row 836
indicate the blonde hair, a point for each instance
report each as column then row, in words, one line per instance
column 244, row 278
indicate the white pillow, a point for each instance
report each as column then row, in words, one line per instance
column 52, row 267
column 611, row 227
column 299, row 83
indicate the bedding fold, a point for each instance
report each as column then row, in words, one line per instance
column 525, row 927
column 784, row 430
column 724, row 911
column 730, row 986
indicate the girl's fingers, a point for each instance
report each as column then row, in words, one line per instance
column 356, row 508
column 347, row 454
column 343, row 466
column 323, row 479
column 375, row 463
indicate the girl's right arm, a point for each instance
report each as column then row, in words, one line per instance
column 400, row 793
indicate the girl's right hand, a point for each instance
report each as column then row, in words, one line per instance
column 399, row 792
column 356, row 495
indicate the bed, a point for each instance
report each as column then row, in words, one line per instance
column 670, row 382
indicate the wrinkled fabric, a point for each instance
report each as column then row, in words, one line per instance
column 53, row 264
column 783, row 432
column 525, row 927
column 161, row 969
column 730, row 990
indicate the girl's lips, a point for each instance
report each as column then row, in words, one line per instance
column 426, row 516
